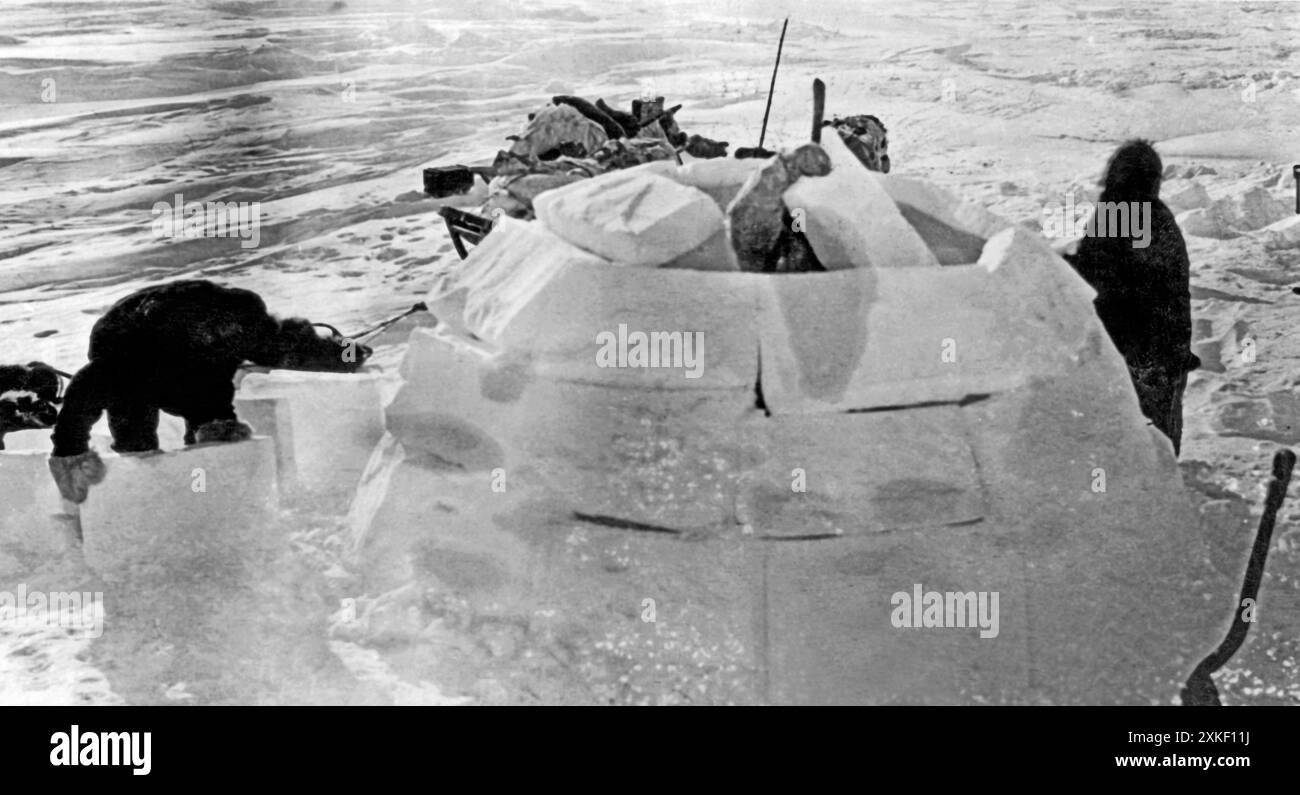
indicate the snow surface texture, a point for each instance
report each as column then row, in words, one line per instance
column 325, row 117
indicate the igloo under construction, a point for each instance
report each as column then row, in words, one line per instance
column 919, row 477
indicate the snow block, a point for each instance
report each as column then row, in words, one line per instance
column 334, row 422
column 638, row 219
column 954, row 230
column 830, row 621
column 417, row 519
column 32, row 518
column 570, row 322
column 204, row 503
column 656, row 456
column 872, row 337
column 667, row 458
column 481, row 294
column 695, row 330
column 850, row 219
column 864, row 472
column 455, row 393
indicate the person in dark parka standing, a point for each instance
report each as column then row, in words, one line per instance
column 1143, row 292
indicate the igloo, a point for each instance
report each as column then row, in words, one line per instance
column 955, row 423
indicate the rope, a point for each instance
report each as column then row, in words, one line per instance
column 380, row 326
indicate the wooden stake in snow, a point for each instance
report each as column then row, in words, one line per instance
column 819, row 109
column 772, row 88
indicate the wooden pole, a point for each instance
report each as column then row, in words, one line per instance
column 819, row 109
column 772, row 88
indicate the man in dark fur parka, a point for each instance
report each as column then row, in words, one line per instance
column 175, row 348
column 1143, row 294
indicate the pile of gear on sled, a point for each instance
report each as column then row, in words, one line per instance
column 572, row 139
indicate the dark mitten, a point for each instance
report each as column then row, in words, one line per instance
column 75, row 474
column 701, row 147
column 223, row 431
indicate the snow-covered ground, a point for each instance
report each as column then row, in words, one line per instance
column 324, row 112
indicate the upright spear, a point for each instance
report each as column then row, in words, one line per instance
column 772, row 88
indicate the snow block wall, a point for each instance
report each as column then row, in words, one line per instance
column 207, row 503
column 849, row 436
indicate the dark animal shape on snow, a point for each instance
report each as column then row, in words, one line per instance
column 29, row 397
